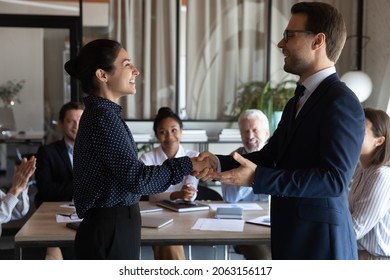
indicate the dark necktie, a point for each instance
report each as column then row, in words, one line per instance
column 299, row 90
column 297, row 95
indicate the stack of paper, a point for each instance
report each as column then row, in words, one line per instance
column 140, row 137
column 230, row 134
column 194, row 135
column 229, row 213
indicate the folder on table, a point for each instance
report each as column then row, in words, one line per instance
column 155, row 222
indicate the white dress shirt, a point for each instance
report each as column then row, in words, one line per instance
column 233, row 194
column 157, row 157
column 369, row 204
column 12, row 208
column 311, row 83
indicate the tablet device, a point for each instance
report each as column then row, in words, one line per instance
column 183, row 206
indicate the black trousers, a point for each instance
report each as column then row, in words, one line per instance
column 109, row 234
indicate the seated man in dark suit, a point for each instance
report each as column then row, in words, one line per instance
column 54, row 175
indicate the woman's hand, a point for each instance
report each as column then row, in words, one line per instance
column 186, row 193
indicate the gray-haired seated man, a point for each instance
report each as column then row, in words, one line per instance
column 254, row 130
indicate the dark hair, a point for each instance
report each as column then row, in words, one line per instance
column 380, row 127
column 67, row 107
column 97, row 54
column 163, row 113
column 324, row 18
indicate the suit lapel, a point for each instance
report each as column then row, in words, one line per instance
column 309, row 105
column 63, row 151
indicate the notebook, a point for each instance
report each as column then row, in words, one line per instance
column 155, row 222
column 149, row 208
column 183, row 206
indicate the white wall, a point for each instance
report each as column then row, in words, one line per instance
column 21, row 58
column 376, row 62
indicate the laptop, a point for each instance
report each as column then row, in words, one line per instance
column 155, row 222
column 146, row 221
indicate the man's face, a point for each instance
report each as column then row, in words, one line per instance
column 70, row 125
column 298, row 52
column 253, row 135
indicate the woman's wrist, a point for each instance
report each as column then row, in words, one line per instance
column 15, row 191
column 174, row 196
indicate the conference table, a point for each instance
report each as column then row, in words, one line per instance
column 42, row 229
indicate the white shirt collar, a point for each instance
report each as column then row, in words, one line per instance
column 312, row 82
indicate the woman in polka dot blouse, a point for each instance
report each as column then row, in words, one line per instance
column 108, row 177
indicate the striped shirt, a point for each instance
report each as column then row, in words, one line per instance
column 369, row 203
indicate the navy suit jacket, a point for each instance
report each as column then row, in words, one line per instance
column 307, row 166
column 54, row 174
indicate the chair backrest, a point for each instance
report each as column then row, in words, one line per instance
column 206, row 193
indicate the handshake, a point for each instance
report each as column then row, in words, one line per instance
column 205, row 167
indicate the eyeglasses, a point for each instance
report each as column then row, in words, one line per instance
column 288, row 33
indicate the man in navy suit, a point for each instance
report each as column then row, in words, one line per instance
column 54, row 173
column 309, row 161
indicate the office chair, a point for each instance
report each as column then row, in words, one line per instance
column 206, row 194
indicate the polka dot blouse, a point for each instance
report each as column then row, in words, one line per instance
column 107, row 172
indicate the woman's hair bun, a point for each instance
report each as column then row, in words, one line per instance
column 165, row 111
column 71, row 67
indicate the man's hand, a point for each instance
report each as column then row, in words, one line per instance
column 242, row 176
column 204, row 166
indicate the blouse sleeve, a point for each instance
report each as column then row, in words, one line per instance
column 120, row 156
column 374, row 202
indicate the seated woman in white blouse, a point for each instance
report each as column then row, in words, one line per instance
column 369, row 196
column 168, row 127
column 15, row 203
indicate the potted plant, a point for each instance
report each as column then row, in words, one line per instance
column 9, row 92
column 261, row 95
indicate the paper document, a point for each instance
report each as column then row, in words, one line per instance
column 67, row 218
column 244, row 206
column 219, row 225
column 262, row 220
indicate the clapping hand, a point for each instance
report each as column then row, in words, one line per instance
column 22, row 174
